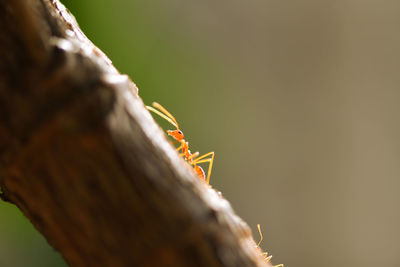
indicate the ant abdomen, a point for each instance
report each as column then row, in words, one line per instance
column 200, row 172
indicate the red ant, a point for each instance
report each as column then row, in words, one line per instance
column 265, row 254
column 177, row 134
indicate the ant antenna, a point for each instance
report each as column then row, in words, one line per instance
column 162, row 115
column 261, row 236
column 266, row 257
column 165, row 111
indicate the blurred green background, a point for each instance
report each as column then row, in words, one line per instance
column 299, row 100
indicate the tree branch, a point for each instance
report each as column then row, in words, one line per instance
column 86, row 163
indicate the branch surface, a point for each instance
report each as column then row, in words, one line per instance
column 86, row 163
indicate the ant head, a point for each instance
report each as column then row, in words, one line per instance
column 176, row 134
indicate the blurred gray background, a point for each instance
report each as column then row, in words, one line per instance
column 299, row 100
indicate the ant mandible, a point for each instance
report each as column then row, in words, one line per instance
column 192, row 159
column 265, row 254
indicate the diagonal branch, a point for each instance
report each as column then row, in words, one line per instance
column 86, row 163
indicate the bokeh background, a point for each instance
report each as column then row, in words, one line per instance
column 299, row 100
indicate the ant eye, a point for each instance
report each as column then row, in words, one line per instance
column 180, row 132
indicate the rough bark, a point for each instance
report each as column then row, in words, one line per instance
column 86, row 163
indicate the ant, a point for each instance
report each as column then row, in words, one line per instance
column 192, row 159
column 265, row 254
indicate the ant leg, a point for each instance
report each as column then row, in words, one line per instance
column 194, row 155
column 202, row 160
column 174, row 142
column 180, row 147
column 191, row 157
column 267, row 259
column 205, row 155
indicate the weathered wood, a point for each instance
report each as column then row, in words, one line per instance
column 86, row 163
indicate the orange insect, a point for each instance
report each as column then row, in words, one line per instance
column 192, row 159
column 265, row 254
